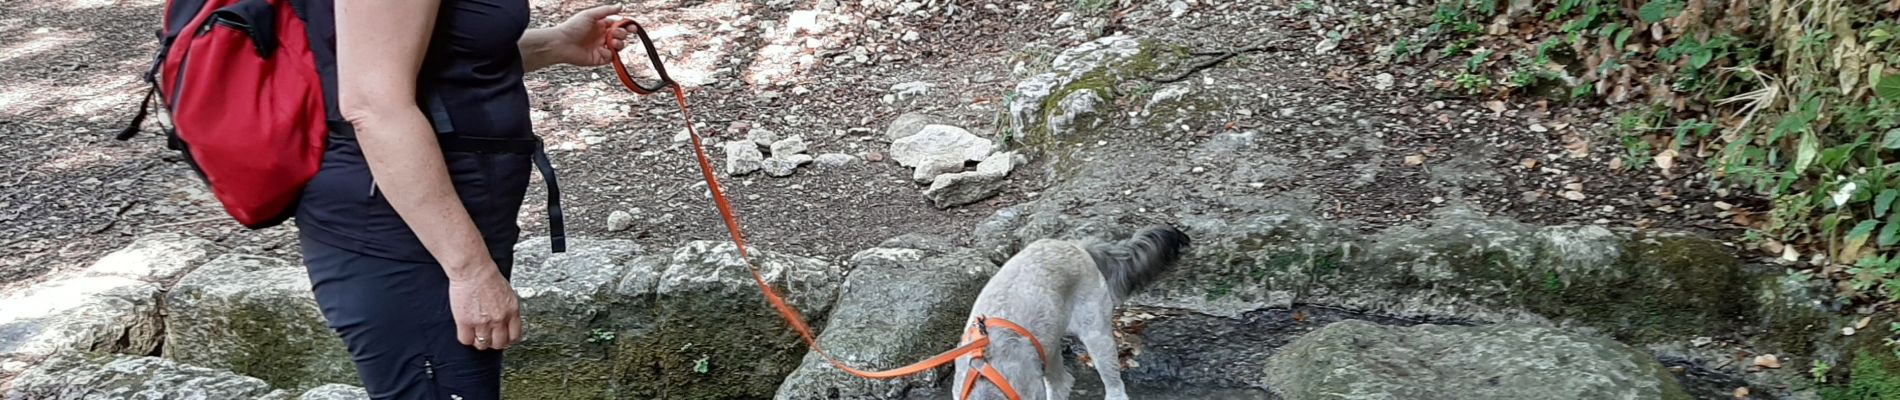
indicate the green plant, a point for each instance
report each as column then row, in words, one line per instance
column 702, row 365
column 1473, row 83
column 1819, row 371
column 601, row 336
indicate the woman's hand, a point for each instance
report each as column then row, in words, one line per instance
column 487, row 311
column 581, row 40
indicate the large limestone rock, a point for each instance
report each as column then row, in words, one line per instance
column 159, row 258
column 1355, row 360
column 905, row 300
column 92, row 376
column 258, row 317
column 92, row 313
column 910, row 124
column 607, row 319
column 956, row 189
column 939, row 142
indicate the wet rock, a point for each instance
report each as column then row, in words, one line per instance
column 92, row 313
column 903, row 302
column 785, row 166
column 939, row 141
column 257, row 317
column 89, row 376
column 743, row 157
column 607, row 304
column 910, row 124
column 335, row 392
column 619, row 221
column 835, row 160
column 158, row 258
column 785, row 148
column 1362, row 360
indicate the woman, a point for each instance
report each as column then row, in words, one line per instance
column 408, row 239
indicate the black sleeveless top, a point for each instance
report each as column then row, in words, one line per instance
column 470, row 85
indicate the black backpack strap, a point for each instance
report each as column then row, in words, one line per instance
column 132, row 128
column 531, row 146
column 556, row 225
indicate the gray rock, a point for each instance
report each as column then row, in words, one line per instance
column 1080, row 110
column 619, row 221
column 785, row 148
column 92, row 376
column 255, row 316
column 910, row 124
column 939, row 141
column 908, row 90
column 1361, row 360
column 1025, row 111
column 88, row 313
column 785, row 166
column 158, row 258
column 904, row 301
column 930, row 168
column 835, row 160
column 998, row 164
column 607, row 304
column 335, row 392
column 951, row 190
column 743, row 157
column 764, row 138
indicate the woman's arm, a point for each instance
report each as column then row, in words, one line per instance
column 575, row 41
column 380, row 45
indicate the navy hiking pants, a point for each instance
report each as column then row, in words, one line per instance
column 394, row 317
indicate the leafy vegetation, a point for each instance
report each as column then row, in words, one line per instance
column 1793, row 102
column 1797, row 102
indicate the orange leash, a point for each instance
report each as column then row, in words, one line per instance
column 976, row 342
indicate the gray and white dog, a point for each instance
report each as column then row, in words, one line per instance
column 1056, row 288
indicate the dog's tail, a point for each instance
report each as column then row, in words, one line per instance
column 1132, row 264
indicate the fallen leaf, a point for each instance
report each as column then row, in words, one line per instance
column 1847, row 331
column 1722, row 205
column 1529, row 163
column 1444, row 119
column 1789, row 254
column 1495, row 106
column 1741, row 392
column 1616, row 164
column 1666, row 159
column 1414, row 160
column 1299, row 317
column 1863, row 322
column 1577, row 146
column 1768, row 361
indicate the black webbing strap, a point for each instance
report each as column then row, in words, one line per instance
column 479, row 145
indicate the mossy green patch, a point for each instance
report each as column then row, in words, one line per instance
column 1873, row 365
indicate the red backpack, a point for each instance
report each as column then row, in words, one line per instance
column 244, row 99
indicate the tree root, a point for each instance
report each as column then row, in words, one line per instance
column 1218, row 58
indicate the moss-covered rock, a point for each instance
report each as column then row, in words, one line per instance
column 1361, row 360
column 257, row 317
column 1870, row 364
column 607, row 321
column 905, row 301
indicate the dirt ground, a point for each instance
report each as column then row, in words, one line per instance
column 68, row 82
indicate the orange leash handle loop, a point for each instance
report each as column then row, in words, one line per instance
column 738, row 237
